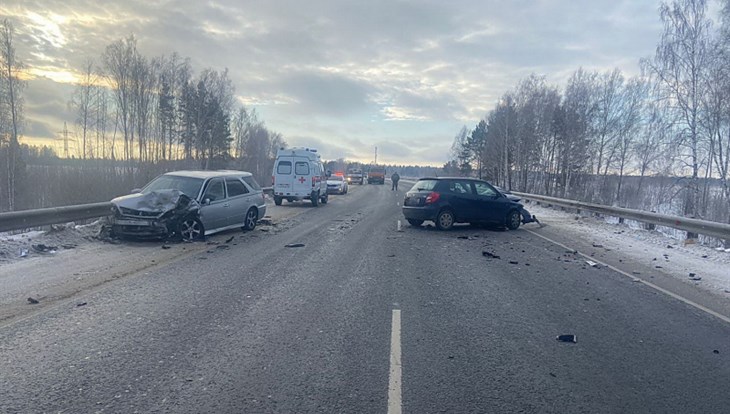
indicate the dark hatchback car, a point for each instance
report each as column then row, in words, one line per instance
column 447, row 201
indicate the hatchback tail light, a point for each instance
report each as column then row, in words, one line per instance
column 432, row 197
column 273, row 180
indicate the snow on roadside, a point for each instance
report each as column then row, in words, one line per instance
column 665, row 252
column 61, row 237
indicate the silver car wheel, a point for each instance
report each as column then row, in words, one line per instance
column 191, row 229
column 251, row 218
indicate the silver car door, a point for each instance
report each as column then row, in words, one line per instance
column 215, row 207
column 239, row 198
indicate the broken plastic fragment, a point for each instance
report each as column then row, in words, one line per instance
column 295, row 245
column 591, row 263
column 567, row 338
column 33, row 301
column 489, row 255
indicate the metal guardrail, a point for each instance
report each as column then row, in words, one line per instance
column 16, row 220
column 708, row 228
column 25, row 219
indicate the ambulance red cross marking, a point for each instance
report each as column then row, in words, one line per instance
column 302, row 180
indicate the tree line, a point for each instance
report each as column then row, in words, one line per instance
column 583, row 140
column 136, row 114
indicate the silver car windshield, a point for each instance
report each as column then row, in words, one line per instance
column 188, row 185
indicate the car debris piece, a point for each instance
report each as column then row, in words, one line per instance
column 597, row 245
column 591, row 263
column 223, row 246
column 691, row 275
column 669, row 246
column 295, row 245
column 513, row 262
column 42, row 248
column 33, row 301
column 489, row 254
column 165, row 246
column 81, row 304
column 715, row 351
column 23, row 253
column 696, row 278
column 463, row 237
column 230, row 239
column 567, row 338
column 69, row 246
column 553, row 375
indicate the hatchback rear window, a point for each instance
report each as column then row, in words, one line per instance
column 425, row 185
column 284, row 168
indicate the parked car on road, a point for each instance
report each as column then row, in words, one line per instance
column 336, row 184
column 447, row 201
column 190, row 205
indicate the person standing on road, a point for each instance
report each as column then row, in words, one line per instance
column 395, row 178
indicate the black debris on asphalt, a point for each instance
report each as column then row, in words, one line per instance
column 230, row 239
column 513, row 262
column 597, row 245
column 223, row 246
column 81, row 304
column 212, row 243
column 567, row 338
column 463, row 237
column 33, row 301
column 42, row 248
column 489, row 255
column 553, row 375
column 715, row 351
column 295, row 245
column 165, row 246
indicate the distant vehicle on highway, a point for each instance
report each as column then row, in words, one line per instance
column 190, row 205
column 376, row 175
column 299, row 175
column 355, row 175
column 447, row 201
column 336, row 184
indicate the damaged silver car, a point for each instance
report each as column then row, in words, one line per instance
column 189, row 205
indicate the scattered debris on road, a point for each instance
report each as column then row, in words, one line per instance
column 23, row 253
column 230, row 239
column 597, row 245
column 513, row 262
column 294, row 245
column 489, row 254
column 567, row 338
column 591, row 263
column 715, row 351
column 81, row 304
column 463, row 237
column 165, row 246
column 33, row 301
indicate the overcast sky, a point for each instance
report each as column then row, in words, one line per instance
column 343, row 76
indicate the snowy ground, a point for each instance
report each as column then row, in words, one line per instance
column 664, row 253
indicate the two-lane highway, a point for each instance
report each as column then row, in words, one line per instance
column 327, row 327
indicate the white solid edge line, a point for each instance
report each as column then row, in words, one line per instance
column 651, row 285
column 394, row 387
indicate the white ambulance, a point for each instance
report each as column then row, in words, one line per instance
column 299, row 175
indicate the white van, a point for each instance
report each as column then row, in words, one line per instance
column 299, row 175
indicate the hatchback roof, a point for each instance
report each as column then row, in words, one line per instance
column 208, row 173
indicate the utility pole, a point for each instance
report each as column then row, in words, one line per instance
column 64, row 132
column 376, row 156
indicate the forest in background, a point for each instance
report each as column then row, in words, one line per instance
column 658, row 141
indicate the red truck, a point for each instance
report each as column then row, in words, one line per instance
column 376, row 175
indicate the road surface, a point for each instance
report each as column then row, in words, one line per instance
column 366, row 319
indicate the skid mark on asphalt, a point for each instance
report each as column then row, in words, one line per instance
column 649, row 284
column 394, row 387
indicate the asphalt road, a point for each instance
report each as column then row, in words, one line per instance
column 264, row 328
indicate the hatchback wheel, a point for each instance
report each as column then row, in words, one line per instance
column 191, row 229
column 251, row 218
column 445, row 220
column 513, row 220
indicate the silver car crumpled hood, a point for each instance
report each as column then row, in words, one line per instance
column 157, row 201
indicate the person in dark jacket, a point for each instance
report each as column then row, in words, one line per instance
column 395, row 178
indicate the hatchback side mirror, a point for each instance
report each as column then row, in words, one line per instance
column 136, row 191
column 206, row 202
